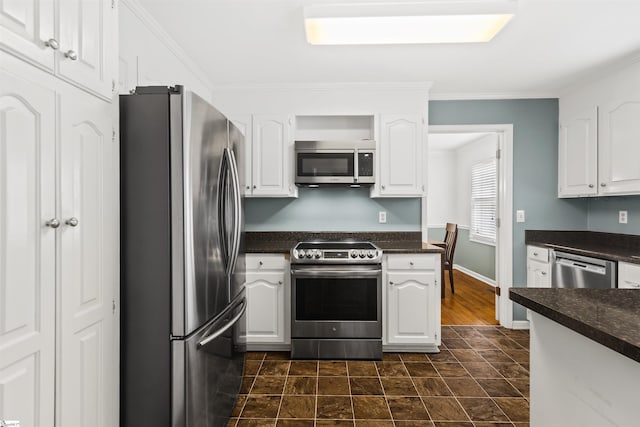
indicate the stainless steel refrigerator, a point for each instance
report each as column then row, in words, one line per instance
column 182, row 260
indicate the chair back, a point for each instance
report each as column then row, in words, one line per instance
column 450, row 238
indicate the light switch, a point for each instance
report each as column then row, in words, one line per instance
column 519, row 216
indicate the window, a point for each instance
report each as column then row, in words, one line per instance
column 484, row 194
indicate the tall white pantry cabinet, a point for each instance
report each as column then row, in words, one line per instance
column 59, row 212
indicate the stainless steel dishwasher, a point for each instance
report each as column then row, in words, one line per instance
column 577, row 271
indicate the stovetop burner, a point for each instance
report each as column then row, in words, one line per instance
column 336, row 252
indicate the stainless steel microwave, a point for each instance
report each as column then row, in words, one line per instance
column 335, row 162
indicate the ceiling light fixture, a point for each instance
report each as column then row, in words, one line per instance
column 453, row 21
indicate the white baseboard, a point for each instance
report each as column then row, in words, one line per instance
column 475, row 275
column 520, row 324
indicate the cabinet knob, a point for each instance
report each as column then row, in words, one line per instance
column 603, row 184
column 390, row 282
column 410, row 262
column 73, row 221
column 544, row 273
column 71, row 54
column 590, row 185
column 254, row 187
column 279, row 282
column 53, row 223
column 383, row 187
column 260, row 263
column 535, row 254
column 248, row 187
column 53, row 44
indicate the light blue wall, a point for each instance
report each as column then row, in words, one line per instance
column 331, row 209
column 474, row 256
column 535, row 171
column 603, row 214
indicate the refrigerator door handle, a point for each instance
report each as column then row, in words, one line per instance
column 222, row 211
column 226, row 327
column 237, row 212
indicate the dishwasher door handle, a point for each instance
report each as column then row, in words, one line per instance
column 596, row 269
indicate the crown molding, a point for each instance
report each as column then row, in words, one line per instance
column 487, row 96
column 143, row 14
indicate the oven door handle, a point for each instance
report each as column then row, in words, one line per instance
column 352, row 273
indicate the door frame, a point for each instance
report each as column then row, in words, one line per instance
column 504, row 246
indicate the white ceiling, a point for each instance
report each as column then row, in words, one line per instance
column 547, row 46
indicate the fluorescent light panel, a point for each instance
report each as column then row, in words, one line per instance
column 407, row 23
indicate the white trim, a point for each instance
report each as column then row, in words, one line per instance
column 475, row 275
column 482, row 242
column 143, row 14
column 520, row 324
column 504, row 248
column 462, row 96
column 463, row 227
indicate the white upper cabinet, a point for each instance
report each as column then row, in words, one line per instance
column 27, row 30
column 599, row 146
column 272, row 156
column 88, row 43
column 620, row 147
column 578, row 155
column 80, row 46
column 400, row 156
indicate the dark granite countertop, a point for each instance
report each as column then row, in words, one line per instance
column 611, row 246
column 607, row 316
column 389, row 242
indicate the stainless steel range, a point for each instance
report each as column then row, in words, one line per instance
column 336, row 300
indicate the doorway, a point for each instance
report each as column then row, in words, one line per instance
column 458, row 156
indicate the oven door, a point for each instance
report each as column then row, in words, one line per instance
column 334, row 301
column 325, row 167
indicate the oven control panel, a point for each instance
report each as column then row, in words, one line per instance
column 360, row 253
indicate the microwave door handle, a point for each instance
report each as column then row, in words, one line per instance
column 355, row 165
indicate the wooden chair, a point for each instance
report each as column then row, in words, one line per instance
column 450, row 238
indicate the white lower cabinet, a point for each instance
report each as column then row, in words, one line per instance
column 628, row 275
column 538, row 267
column 411, row 290
column 268, row 305
column 58, row 251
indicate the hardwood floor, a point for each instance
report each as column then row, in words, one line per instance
column 473, row 303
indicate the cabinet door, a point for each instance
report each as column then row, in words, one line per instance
column 88, row 204
column 27, row 251
column 25, row 26
column 272, row 156
column 243, row 122
column 266, row 303
column 410, row 317
column 400, row 155
column 88, row 34
column 619, row 147
column 538, row 274
column 578, row 155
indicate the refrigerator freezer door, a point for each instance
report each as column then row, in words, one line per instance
column 205, row 290
column 207, row 372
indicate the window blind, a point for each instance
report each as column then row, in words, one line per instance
column 484, row 192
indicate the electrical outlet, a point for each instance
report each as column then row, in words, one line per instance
column 382, row 217
column 519, row 216
column 622, row 217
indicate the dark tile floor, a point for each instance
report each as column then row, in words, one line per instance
column 480, row 378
